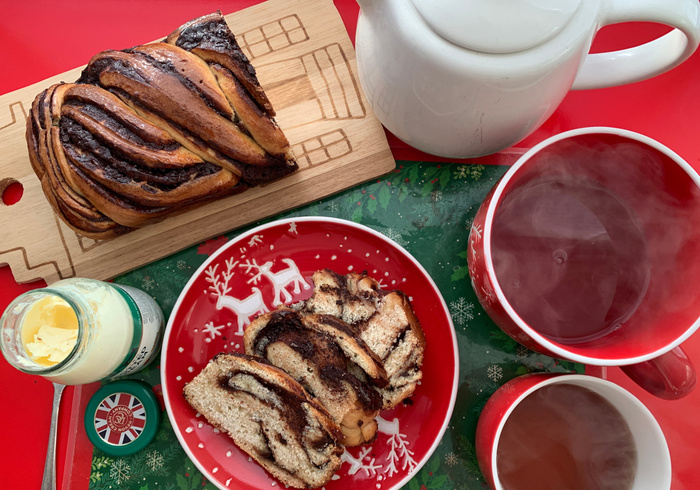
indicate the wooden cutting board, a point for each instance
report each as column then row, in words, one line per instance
column 306, row 64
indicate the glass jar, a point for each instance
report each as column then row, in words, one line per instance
column 78, row 331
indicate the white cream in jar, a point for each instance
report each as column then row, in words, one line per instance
column 49, row 330
column 78, row 331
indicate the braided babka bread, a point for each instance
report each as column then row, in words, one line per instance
column 323, row 354
column 270, row 417
column 153, row 130
column 383, row 320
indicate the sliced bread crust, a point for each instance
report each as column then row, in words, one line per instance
column 384, row 320
column 269, row 416
column 333, row 365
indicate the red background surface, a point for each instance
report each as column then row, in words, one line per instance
column 42, row 38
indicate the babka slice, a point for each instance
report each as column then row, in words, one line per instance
column 384, row 320
column 269, row 416
column 153, row 130
column 324, row 355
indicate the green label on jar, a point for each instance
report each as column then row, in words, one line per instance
column 148, row 323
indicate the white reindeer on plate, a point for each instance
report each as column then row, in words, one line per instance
column 243, row 308
column 280, row 280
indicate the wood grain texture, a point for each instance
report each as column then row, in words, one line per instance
column 306, row 64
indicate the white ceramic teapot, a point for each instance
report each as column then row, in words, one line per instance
column 465, row 78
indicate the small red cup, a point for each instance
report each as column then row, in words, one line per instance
column 588, row 249
column 653, row 460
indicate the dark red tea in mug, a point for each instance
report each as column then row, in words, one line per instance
column 565, row 436
column 570, row 257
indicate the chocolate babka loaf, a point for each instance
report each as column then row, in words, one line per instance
column 150, row 131
column 383, row 320
column 270, row 417
column 325, row 356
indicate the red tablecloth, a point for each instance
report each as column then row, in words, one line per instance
column 41, row 38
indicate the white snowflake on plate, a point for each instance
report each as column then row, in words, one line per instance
column 119, row 471
column 211, row 329
column 462, row 311
column 154, row 460
column 494, row 372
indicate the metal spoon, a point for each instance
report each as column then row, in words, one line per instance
column 49, row 481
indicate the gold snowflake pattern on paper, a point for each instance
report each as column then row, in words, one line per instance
column 451, row 459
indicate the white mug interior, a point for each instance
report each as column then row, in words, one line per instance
column 653, row 456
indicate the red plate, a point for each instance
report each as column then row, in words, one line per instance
column 273, row 263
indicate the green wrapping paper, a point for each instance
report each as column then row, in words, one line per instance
column 427, row 208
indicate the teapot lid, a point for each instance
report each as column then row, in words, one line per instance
column 497, row 26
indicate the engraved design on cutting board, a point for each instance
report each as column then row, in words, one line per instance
column 316, row 73
column 38, row 267
column 16, row 110
column 319, row 88
column 87, row 244
column 322, row 149
column 316, row 86
column 273, row 36
column 18, row 115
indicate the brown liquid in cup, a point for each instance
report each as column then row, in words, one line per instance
column 566, row 437
column 570, row 257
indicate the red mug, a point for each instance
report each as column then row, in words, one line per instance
column 519, row 454
column 588, row 249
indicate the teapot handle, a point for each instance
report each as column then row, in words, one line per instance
column 647, row 60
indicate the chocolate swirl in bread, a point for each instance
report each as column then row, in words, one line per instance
column 153, row 130
column 323, row 354
column 384, row 320
column 270, row 417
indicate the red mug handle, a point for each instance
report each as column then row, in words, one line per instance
column 670, row 376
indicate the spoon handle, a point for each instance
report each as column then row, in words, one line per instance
column 49, row 481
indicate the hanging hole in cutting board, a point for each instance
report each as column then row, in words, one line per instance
column 11, row 191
